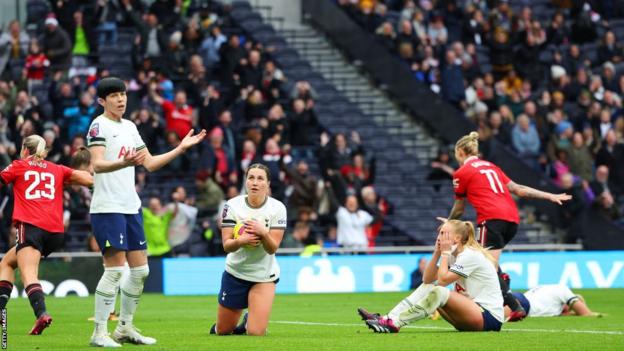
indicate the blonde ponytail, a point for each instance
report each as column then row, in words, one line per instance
column 467, row 232
column 469, row 144
column 36, row 146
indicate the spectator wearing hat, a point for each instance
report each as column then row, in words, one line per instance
column 56, row 45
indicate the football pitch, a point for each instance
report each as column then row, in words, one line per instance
column 317, row 322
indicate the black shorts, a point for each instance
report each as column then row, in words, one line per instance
column 234, row 291
column 42, row 240
column 496, row 233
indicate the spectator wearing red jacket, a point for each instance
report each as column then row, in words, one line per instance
column 178, row 115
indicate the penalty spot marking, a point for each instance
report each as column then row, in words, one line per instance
column 522, row 330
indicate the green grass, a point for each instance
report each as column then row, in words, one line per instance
column 181, row 323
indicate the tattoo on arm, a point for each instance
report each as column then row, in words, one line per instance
column 526, row 191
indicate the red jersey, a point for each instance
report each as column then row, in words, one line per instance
column 485, row 186
column 179, row 120
column 38, row 192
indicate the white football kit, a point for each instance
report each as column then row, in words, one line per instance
column 478, row 281
column 549, row 300
column 253, row 263
column 115, row 192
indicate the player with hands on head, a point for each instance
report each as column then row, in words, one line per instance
column 116, row 148
column 475, row 305
column 252, row 229
column 38, row 218
column 489, row 191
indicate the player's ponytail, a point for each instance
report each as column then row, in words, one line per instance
column 469, row 144
column 467, row 232
column 36, row 147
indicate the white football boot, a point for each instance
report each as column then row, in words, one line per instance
column 129, row 333
column 103, row 340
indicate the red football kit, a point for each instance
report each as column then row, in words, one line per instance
column 38, row 192
column 485, row 186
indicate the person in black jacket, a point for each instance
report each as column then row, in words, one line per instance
column 57, row 46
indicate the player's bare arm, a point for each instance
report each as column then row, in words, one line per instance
column 528, row 192
column 81, row 178
column 155, row 162
column 102, row 165
column 458, row 209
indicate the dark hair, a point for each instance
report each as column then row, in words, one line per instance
column 260, row 166
column 82, row 157
column 110, row 85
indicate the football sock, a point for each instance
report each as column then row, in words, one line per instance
column 508, row 298
column 410, row 301
column 36, row 298
column 6, row 287
column 131, row 290
column 437, row 297
column 105, row 295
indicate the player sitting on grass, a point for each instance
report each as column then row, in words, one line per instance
column 475, row 305
column 552, row 301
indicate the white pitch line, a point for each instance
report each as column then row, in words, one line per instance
column 572, row 331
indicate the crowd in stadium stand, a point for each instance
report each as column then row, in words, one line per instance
column 544, row 77
column 191, row 68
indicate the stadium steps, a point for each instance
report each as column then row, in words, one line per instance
column 404, row 159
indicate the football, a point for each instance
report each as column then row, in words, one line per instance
column 239, row 229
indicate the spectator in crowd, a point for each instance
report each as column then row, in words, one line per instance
column 452, row 80
column 525, row 139
column 36, row 65
column 604, row 200
column 78, row 118
column 611, row 154
column 580, row 158
column 56, row 45
column 83, row 40
column 13, row 51
column 156, row 219
column 178, row 115
column 417, row 274
column 352, row 223
column 210, row 46
column 570, row 211
column 303, row 186
column 148, row 125
column 376, row 206
column 152, row 41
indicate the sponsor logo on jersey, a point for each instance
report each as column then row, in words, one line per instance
column 225, row 211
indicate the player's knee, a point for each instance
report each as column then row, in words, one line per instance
column 256, row 331
column 140, row 272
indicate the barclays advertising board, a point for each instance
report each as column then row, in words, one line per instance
column 372, row 273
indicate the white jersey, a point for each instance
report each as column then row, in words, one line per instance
column 549, row 300
column 248, row 262
column 351, row 230
column 115, row 192
column 478, row 281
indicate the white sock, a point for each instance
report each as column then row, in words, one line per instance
column 131, row 290
column 105, row 296
column 410, row 301
column 437, row 297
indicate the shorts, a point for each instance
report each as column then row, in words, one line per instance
column 42, row 240
column 121, row 231
column 524, row 302
column 489, row 322
column 234, row 291
column 496, row 233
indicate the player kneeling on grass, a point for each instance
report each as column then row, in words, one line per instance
column 252, row 229
column 475, row 305
column 552, row 301
column 38, row 218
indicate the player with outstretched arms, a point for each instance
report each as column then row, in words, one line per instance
column 38, row 218
column 475, row 305
column 252, row 229
column 489, row 191
column 116, row 148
